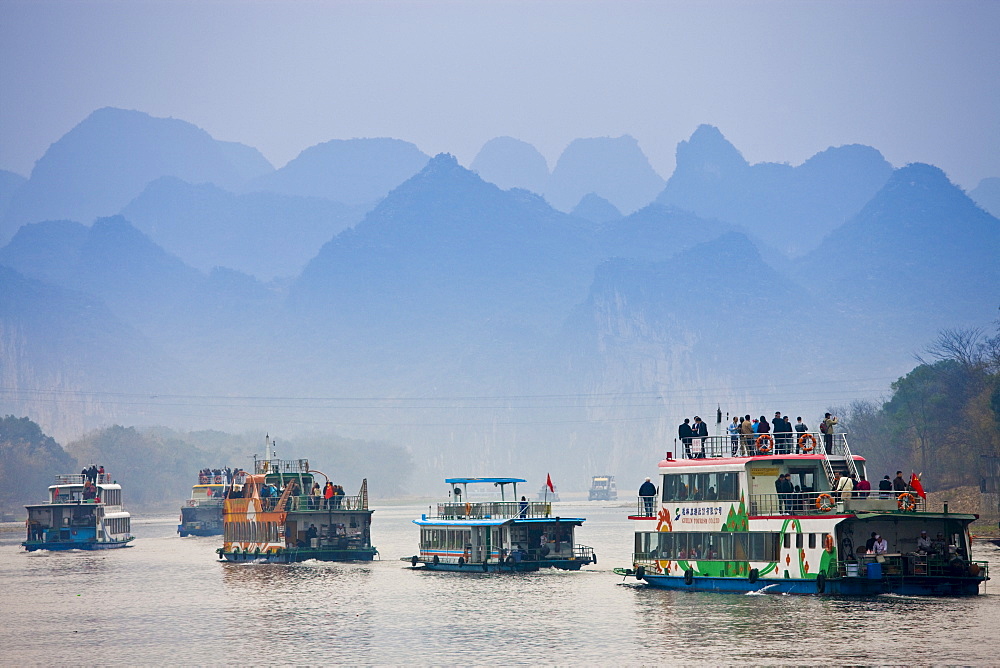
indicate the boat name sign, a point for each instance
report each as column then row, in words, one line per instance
column 699, row 515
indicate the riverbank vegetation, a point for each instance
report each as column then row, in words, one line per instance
column 942, row 419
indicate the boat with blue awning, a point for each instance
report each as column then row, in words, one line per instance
column 470, row 533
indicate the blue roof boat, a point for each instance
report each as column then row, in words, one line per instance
column 473, row 534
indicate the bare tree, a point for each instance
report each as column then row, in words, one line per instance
column 965, row 346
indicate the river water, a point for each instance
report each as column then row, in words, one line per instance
column 167, row 600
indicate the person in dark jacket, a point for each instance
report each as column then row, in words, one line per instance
column 884, row 488
column 898, row 484
column 782, row 434
column 686, row 433
column 701, row 431
column 647, row 492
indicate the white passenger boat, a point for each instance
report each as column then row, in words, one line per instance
column 504, row 534
column 718, row 523
column 82, row 512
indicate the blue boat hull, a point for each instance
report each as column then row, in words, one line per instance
column 187, row 531
column 499, row 566
column 488, row 567
column 859, row 586
column 54, row 546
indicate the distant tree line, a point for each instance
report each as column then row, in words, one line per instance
column 28, row 460
column 157, row 466
column 942, row 419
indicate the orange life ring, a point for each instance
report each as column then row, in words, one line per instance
column 825, row 503
column 906, row 502
column 828, row 543
column 807, row 437
column 762, row 439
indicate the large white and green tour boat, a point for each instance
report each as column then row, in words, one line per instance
column 719, row 522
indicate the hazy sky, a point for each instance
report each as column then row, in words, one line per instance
column 783, row 80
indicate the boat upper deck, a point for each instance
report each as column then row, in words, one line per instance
column 748, row 469
column 697, row 450
column 490, row 510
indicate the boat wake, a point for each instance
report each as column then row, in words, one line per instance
column 762, row 591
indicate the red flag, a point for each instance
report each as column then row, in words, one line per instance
column 916, row 486
column 548, row 481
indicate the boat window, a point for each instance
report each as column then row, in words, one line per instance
column 715, row 486
column 724, row 546
column 798, row 540
column 803, row 479
column 812, row 540
column 788, row 540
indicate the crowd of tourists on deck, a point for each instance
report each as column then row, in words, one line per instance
column 208, row 476
column 751, row 436
column 93, row 474
column 327, row 497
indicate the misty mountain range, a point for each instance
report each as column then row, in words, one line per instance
column 498, row 318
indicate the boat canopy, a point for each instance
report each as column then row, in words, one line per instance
column 465, row 481
column 497, row 482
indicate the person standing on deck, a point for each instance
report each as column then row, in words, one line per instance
column 884, row 487
column 829, row 421
column 844, row 487
column 701, row 431
column 764, row 427
column 746, row 429
column 898, row 484
column 782, row 434
column 782, row 487
column 647, row 492
column 734, row 435
column 686, row 433
column 328, row 494
column 800, row 428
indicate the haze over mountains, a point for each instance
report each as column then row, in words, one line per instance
column 502, row 319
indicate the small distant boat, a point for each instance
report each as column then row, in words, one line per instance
column 546, row 494
column 603, row 488
column 201, row 515
column 500, row 535
column 83, row 512
column 271, row 517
